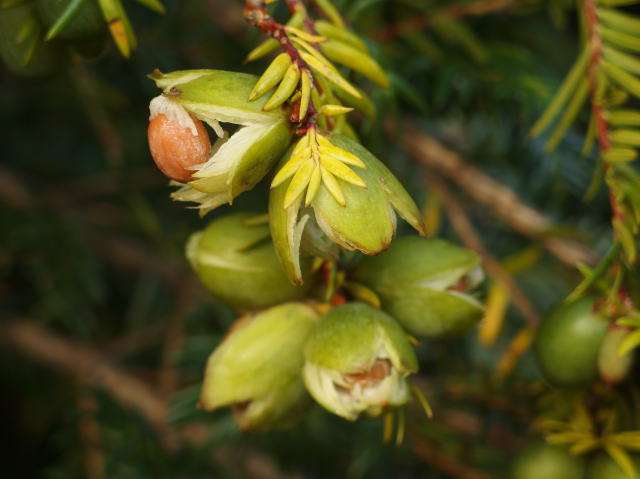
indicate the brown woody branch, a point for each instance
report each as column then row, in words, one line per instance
column 93, row 369
column 500, row 200
column 430, row 454
column 87, row 366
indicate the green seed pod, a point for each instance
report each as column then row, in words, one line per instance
column 423, row 283
column 603, row 467
column 71, row 19
column 568, row 342
column 21, row 42
column 543, row 461
column 238, row 161
column 357, row 361
column 612, row 366
column 365, row 218
column 238, row 264
column 257, row 368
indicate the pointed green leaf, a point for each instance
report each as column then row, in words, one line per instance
column 305, row 94
column 334, row 110
column 629, row 343
column 329, row 71
column 362, row 293
column 285, row 89
column 331, row 12
column 327, row 148
column 624, row 79
column 340, row 33
column 624, row 40
column 341, row 170
column 625, row 137
column 569, row 116
column 299, row 182
column 155, row 5
column 119, row 25
column 564, row 93
column 623, row 60
column 330, row 182
column 623, row 117
column 314, row 186
column 272, row 76
column 619, row 155
column 622, row 458
column 619, row 21
column 356, row 60
column 65, row 17
column 288, row 170
column 626, row 237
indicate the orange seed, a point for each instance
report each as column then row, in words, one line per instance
column 175, row 149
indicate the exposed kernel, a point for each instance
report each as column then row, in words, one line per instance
column 175, row 149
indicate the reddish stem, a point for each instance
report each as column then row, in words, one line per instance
column 602, row 128
column 255, row 13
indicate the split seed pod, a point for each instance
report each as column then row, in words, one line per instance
column 357, row 361
column 257, row 368
column 424, row 284
column 238, row 160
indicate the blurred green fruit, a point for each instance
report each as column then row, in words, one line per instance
column 568, row 343
column 603, row 467
column 238, row 264
column 543, row 461
column 87, row 21
column 613, row 367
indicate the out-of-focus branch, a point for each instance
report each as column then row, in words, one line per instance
column 472, row 240
column 480, row 7
column 93, row 369
column 86, row 365
column 431, row 455
column 500, row 200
